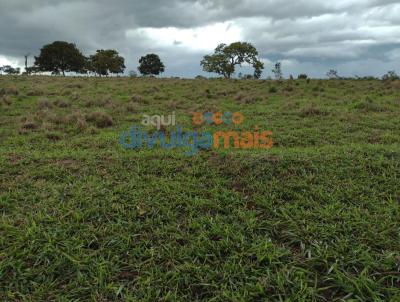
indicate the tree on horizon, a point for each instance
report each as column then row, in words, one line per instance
column 151, row 64
column 106, row 62
column 60, row 57
column 227, row 57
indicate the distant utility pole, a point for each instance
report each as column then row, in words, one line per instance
column 26, row 62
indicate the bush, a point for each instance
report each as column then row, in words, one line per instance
column 302, row 76
column 391, row 76
column 273, row 89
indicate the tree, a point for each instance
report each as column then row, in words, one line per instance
column 60, row 57
column 227, row 57
column 151, row 65
column 332, row 74
column 7, row 69
column 32, row 70
column 277, row 71
column 105, row 62
column 390, row 76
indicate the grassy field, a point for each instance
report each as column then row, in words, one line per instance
column 315, row 218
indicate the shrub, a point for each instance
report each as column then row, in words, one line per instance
column 273, row 89
column 302, row 76
column 391, row 76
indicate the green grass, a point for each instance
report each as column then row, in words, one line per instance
column 315, row 218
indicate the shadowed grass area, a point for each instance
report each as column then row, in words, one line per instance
column 315, row 218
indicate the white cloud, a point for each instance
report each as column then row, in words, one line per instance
column 8, row 61
column 197, row 39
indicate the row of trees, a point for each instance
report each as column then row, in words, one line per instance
column 7, row 69
column 60, row 57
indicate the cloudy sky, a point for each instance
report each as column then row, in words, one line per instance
column 356, row 37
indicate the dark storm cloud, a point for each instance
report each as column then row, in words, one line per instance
column 300, row 33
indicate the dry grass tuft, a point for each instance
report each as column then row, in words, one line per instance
column 44, row 103
column 370, row 105
column 28, row 123
column 100, row 119
column 107, row 102
column 74, row 86
column 395, row 84
column 132, row 107
column 78, row 119
column 239, row 97
column 35, row 92
column 312, row 110
column 62, row 103
column 9, row 91
column 137, row 98
column 6, row 100
column 75, row 96
column 55, row 118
